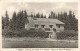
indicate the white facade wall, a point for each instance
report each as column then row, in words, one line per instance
column 29, row 25
column 32, row 24
column 60, row 29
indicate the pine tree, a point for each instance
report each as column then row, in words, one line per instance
column 34, row 16
column 38, row 15
column 61, row 17
column 42, row 16
column 31, row 15
column 64, row 17
column 74, row 23
column 58, row 16
column 18, row 20
column 26, row 17
column 6, row 22
column 71, row 23
column 49, row 16
column 52, row 15
column 3, row 22
column 70, row 20
column 11, row 25
column 21, row 21
column 13, row 21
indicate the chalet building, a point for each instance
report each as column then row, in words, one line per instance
column 50, row 26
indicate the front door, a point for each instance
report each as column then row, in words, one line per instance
column 50, row 34
column 53, row 36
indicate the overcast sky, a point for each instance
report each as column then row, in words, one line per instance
column 44, row 8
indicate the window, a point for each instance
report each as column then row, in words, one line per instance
column 50, row 26
column 58, row 26
column 54, row 29
column 42, row 26
column 36, row 26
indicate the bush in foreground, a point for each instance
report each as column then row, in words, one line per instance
column 26, row 33
column 68, row 34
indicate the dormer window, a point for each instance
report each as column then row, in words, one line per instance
column 50, row 26
column 42, row 26
column 58, row 25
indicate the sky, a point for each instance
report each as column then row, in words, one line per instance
column 33, row 7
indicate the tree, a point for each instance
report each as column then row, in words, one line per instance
column 13, row 21
column 26, row 17
column 21, row 19
column 52, row 15
column 42, row 16
column 31, row 15
column 3, row 22
column 6, row 21
column 58, row 16
column 61, row 16
column 70, row 20
column 38, row 15
column 74, row 23
column 11, row 25
column 65, row 20
column 49, row 16
column 34, row 16
column 71, row 23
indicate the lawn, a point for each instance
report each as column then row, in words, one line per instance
column 38, row 43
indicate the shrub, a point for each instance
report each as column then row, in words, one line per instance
column 25, row 33
column 66, row 34
column 10, row 34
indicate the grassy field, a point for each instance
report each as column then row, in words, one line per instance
column 37, row 43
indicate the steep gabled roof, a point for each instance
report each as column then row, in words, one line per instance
column 44, row 21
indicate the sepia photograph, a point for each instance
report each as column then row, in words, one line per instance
column 40, row 25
